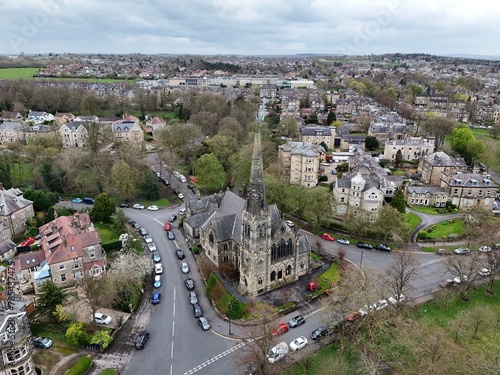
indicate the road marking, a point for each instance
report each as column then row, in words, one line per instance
column 171, row 370
column 174, row 293
column 218, row 356
column 173, row 329
column 174, row 309
column 172, row 351
column 430, row 262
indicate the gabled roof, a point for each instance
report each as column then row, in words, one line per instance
column 11, row 201
column 6, row 246
column 31, row 259
column 12, row 126
column 441, row 159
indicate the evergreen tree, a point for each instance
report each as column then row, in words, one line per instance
column 51, row 295
column 103, row 209
column 398, row 201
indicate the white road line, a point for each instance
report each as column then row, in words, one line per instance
column 431, row 262
column 174, row 293
column 172, row 351
column 173, row 329
column 173, row 306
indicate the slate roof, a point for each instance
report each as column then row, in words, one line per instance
column 122, row 127
column 11, row 201
column 12, row 126
column 425, row 189
column 302, row 148
column 316, row 130
column 6, row 246
column 442, row 159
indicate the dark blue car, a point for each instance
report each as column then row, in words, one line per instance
column 156, row 298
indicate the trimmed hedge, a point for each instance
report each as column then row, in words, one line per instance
column 81, row 367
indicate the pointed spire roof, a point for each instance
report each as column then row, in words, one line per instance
column 256, row 200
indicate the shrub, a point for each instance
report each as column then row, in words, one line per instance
column 113, row 245
column 323, row 178
column 422, row 235
column 76, row 335
column 195, row 250
column 81, row 367
column 211, row 282
column 101, row 337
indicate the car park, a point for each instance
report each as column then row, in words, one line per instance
column 101, row 318
column 296, row 321
column 172, row 218
column 203, row 323
column 193, row 298
column 138, row 206
column 157, row 282
column 141, row 340
column 143, row 231
column 189, row 283
column 153, row 208
column 289, row 223
column 319, row 332
column 156, row 257
column 152, row 246
column 148, row 238
column 461, row 251
column 343, row 241
column 313, row 285
column 298, row 343
column 364, row 245
column 382, row 247
column 281, row 329
column 77, row 200
column 167, row 226
column 179, row 254
column 484, row 272
column 184, row 267
column 327, row 237
column 42, row 342
column 158, row 269
column 197, row 311
column 123, row 205
column 155, row 299
column 170, row 235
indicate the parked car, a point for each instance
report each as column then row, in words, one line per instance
column 484, row 249
column 136, row 225
column 289, row 223
column 148, row 238
column 277, row 352
column 381, row 247
column 157, row 282
column 327, row 237
column 381, row 304
column 319, row 332
column 153, row 208
column 182, row 211
column 77, row 200
column 158, row 269
column 42, row 342
column 446, row 283
column 203, row 323
column 88, row 200
column 172, row 218
column 364, row 245
column 141, row 340
column 180, row 195
column 143, row 231
column 189, row 283
column 251, row 370
column 484, row 272
column 280, row 329
column 152, row 246
column 123, row 205
column 197, row 311
column 343, row 241
column 193, row 298
column 298, row 343
column 156, row 298
column 184, row 267
column 462, row 251
column 313, row 285
column 395, row 299
column 170, row 235
column 156, row 257
column 296, row 321
column 443, row 252
column 138, row 206
column 101, row 318
column 28, row 242
column 167, row 226
column 179, row 254
column 352, row 316
column 458, row 280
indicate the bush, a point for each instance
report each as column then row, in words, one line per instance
column 76, row 334
column 113, row 245
column 109, row 371
column 422, row 235
column 81, row 367
column 195, row 250
column 323, row 178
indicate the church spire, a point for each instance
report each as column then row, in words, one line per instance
column 256, row 200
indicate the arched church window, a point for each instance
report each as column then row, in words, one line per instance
column 260, row 281
column 274, row 252
column 211, row 238
column 273, row 276
column 280, row 274
column 288, row 270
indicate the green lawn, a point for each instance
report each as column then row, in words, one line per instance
column 109, row 371
column 14, row 73
column 106, row 234
column 330, row 275
column 429, row 249
column 162, row 202
column 315, row 256
column 443, row 229
column 21, row 173
column 412, row 220
column 399, row 172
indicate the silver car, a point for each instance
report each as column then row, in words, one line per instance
column 193, row 298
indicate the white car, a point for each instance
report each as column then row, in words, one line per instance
column 457, row 280
column 101, row 318
column 184, row 267
column 158, row 268
column 343, row 241
column 181, row 196
column 152, row 246
column 484, row 249
column 289, row 223
column 382, row 304
column 153, row 208
column 462, row 251
column 298, row 343
column 394, row 299
column 484, row 272
column 148, row 238
column 138, row 206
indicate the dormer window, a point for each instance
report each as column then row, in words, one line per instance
column 73, row 248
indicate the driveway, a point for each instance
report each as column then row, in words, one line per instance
column 427, row 220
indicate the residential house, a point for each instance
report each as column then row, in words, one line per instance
column 11, row 132
column 16, row 346
column 28, row 263
column 411, row 149
column 87, row 119
column 63, row 118
column 379, row 131
column 36, row 117
column 156, row 123
column 15, row 211
column 11, row 116
column 109, row 119
column 467, row 190
column 432, row 166
column 316, row 134
column 429, row 196
column 129, row 132
column 300, row 162
column 74, row 134
column 344, row 140
column 7, row 249
column 40, row 131
column 268, row 91
column 72, row 247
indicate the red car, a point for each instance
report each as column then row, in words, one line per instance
column 30, row 241
column 327, row 237
column 281, row 329
column 167, row 226
column 352, row 316
column 313, row 285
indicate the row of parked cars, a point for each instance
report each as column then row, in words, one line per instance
column 363, row 245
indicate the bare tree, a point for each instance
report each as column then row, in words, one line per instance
column 465, row 269
column 95, row 291
column 401, row 272
column 492, row 262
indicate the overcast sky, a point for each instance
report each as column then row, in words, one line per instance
column 252, row 27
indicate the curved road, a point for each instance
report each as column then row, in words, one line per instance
column 427, row 220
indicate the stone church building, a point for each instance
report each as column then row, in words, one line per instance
column 249, row 235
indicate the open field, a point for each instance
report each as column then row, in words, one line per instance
column 15, row 73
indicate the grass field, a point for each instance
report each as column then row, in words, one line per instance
column 15, row 73
column 412, row 220
column 445, row 228
column 330, row 275
column 21, row 173
column 105, row 234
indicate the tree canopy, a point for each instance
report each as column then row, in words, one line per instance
column 209, row 172
column 103, row 209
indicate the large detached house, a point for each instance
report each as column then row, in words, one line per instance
column 74, row 134
column 433, row 166
column 11, row 132
column 71, row 247
column 466, row 190
column 300, row 162
column 129, row 132
column 15, row 210
column 36, row 117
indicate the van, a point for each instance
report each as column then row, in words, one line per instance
column 277, row 352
